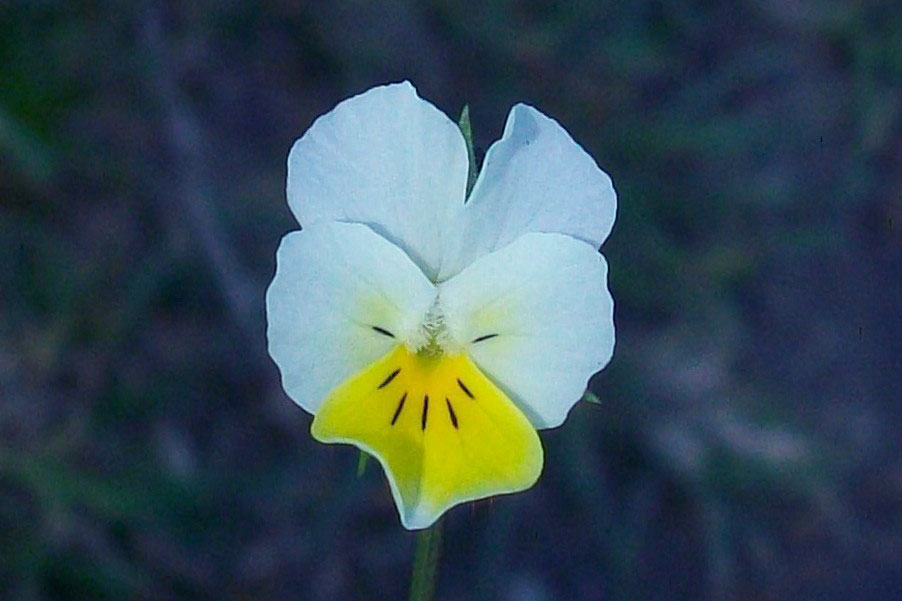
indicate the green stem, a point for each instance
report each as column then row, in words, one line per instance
column 425, row 563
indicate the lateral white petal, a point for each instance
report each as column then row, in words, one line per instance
column 385, row 158
column 537, row 318
column 334, row 284
column 536, row 178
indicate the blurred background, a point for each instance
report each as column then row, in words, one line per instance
column 746, row 444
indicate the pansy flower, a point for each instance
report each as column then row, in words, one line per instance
column 438, row 332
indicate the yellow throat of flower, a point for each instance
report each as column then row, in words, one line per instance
column 443, row 432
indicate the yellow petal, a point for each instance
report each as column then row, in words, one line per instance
column 442, row 431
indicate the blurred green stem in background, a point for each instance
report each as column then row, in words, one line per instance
column 425, row 562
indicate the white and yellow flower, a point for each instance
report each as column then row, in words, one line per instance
column 434, row 331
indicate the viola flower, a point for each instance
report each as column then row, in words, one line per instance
column 434, row 331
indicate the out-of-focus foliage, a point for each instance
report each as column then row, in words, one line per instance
column 746, row 441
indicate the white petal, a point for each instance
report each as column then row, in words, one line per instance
column 334, row 284
column 536, row 178
column 385, row 158
column 545, row 298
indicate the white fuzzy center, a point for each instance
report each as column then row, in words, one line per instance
column 432, row 336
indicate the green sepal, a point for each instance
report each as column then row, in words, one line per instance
column 467, row 131
column 362, row 459
column 591, row 397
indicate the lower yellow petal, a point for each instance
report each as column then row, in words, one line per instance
column 442, row 431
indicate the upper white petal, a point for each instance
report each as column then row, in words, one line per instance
column 546, row 298
column 536, row 178
column 333, row 283
column 386, row 158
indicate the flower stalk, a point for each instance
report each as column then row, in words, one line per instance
column 425, row 563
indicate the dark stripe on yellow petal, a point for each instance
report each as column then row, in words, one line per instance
column 390, row 377
column 451, row 413
column 398, row 410
column 465, row 389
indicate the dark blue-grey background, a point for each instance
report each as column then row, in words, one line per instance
column 746, row 445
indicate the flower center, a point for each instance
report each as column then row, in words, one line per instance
column 432, row 338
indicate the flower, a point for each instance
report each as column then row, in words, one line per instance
column 434, row 331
